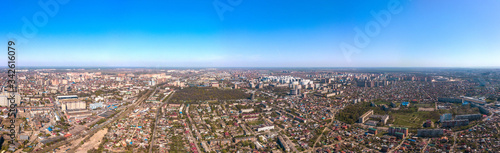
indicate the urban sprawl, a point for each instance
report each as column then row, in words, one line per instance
column 217, row 110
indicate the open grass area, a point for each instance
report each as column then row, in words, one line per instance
column 177, row 145
column 381, row 133
column 382, row 102
column 424, row 105
column 257, row 122
column 412, row 119
column 408, row 117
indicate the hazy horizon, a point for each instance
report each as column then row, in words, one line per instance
column 218, row 33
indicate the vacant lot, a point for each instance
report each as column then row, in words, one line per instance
column 93, row 142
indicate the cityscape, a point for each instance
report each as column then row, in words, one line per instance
column 238, row 76
column 256, row 110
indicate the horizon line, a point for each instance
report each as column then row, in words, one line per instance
column 225, row 67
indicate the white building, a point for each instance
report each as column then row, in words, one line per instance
column 96, row 105
column 246, row 110
column 265, row 128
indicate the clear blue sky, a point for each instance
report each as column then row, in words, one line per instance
column 255, row 33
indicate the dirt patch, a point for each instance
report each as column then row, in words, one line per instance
column 73, row 144
column 93, row 142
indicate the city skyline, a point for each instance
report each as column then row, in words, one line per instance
column 253, row 34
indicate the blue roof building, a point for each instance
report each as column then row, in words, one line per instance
column 407, row 104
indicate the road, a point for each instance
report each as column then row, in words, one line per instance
column 326, row 127
column 156, row 119
column 191, row 137
column 457, row 132
column 427, row 142
column 454, row 141
column 397, row 147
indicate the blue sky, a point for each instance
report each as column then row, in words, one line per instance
column 253, row 33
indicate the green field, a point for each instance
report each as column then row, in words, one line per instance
column 257, row 122
column 382, row 102
column 412, row 119
column 425, row 105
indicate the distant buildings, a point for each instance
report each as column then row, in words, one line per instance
column 4, row 99
column 71, row 104
column 220, row 141
column 406, row 104
column 363, row 118
column 482, row 110
column 372, row 131
column 371, row 123
column 430, row 132
column 470, row 117
column 383, row 118
column 73, row 107
column 428, row 123
column 472, row 100
column 300, row 119
column 265, row 128
column 399, row 132
column 445, row 117
column 96, row 105
column 460, row 120
column 455, row 123
column 249, row 138
column 250, row 118
column 283, row 144
column 449, row 100
column 66, row 97
column 246, row 110
column 78, row 113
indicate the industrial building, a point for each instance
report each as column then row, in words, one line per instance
column 78, row 114
column 72, row 104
